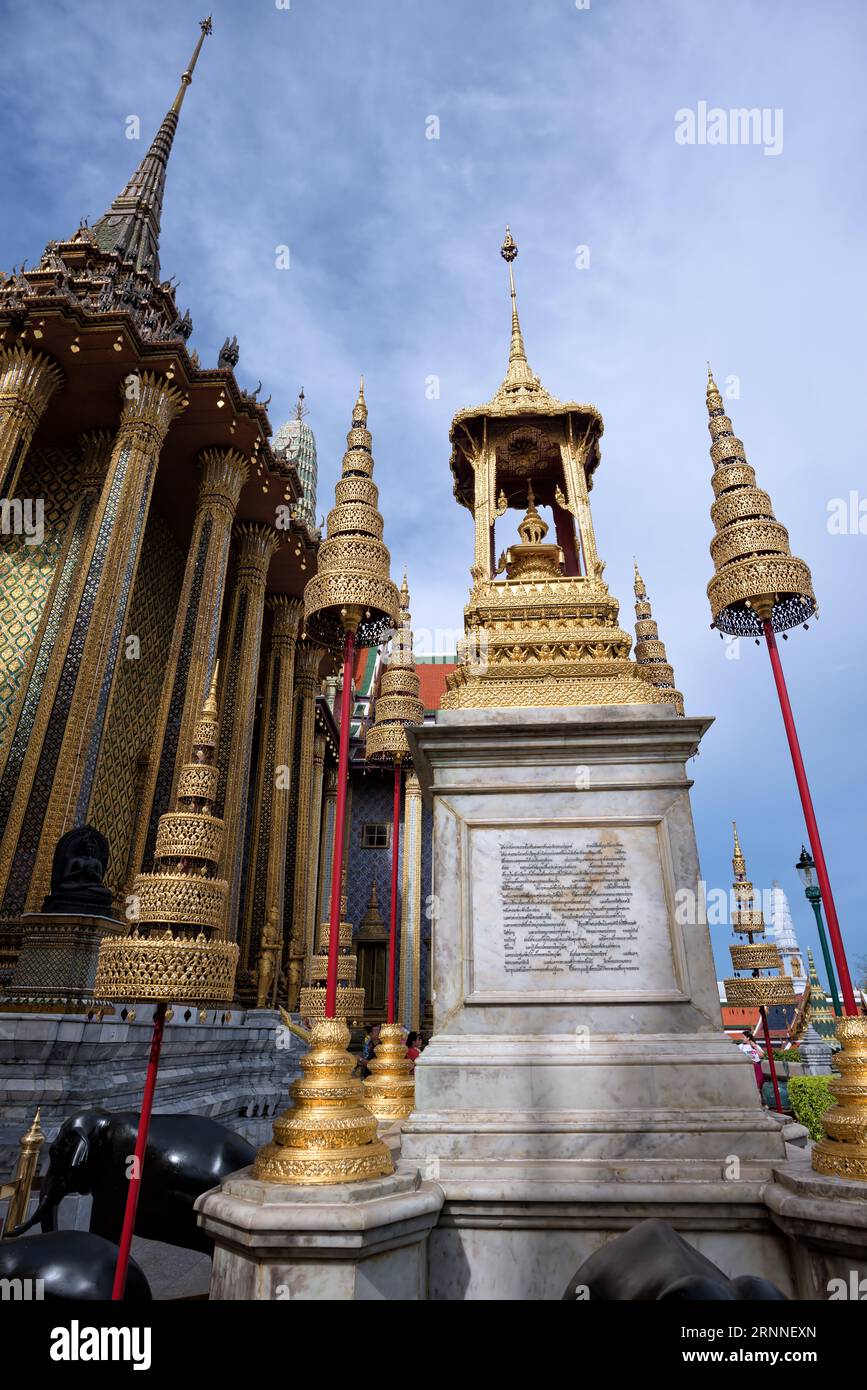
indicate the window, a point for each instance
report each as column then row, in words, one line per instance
column 375, row 835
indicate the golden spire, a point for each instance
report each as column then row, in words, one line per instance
column 739, row 867
column 397, row 702
column 187, row 75
column 519, row 376
column 638, row 588
column 210, row 708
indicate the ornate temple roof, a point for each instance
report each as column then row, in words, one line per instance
column 131, row 226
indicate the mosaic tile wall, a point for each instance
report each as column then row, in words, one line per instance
column 136, row 697
column 26, row 571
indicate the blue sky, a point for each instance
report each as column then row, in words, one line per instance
column 305, row 127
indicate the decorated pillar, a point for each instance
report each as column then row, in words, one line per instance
column 27, row 382
column 410, row 1008
column 266, row 877
column 193, row 652
column 243, row 641
column 306, row 690
column 58, row 769
column 94, row 452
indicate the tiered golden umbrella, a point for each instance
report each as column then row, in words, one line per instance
column 759, row 589
column 761, row 988
column 329, row 1135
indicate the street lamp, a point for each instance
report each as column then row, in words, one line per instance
column 806, row 870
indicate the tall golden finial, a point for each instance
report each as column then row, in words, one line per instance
column 519, row 374
column 300, row 409
column 739, row 867
column 206, row 27
column 650, row 653
column 639, row 588
column 210, row 709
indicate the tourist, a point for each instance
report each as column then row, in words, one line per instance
column 413, row 1051
column 750, row 1047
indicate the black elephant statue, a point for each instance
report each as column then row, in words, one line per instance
column 653, row 1262
column 186, row 1156
column 70, row 1265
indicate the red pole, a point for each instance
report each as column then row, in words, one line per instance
column 339, row 819
column 770, row 1051
column 392, row 932
column 141, row 1144
column 849, row 1005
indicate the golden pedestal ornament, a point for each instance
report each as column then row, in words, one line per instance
column 328, row 1135
column 178, row 953
column 389, row 1092
column 843, row 1153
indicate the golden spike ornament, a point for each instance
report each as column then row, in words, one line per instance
column 389, row 1091
column 756, row 575
column 649, row 650
column 178, row 951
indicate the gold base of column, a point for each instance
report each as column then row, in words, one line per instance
column 389, row 1093
column 328, row 1136
column 843, row 1154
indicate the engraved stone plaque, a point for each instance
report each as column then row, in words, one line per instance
column 569, row 911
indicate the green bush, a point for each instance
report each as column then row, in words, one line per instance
column 810, row 1098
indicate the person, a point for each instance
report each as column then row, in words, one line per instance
column 413, row 1051
column 751, row 1049
column 371, row 1038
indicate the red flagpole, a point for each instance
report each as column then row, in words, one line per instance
column 339, row 827
column 849, row 1005
column 141, row 1144
column 392, row 933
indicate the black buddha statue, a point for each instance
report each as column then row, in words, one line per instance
column 77, row 870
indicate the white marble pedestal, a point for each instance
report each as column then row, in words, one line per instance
column 354, row 1241
column 578, row 1078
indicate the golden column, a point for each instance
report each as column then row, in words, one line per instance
column 193, row 653
column 27, row 382
column 56, row 779
column 410, row 907
column 309, row 659
column 243, row 641
column 266, row 879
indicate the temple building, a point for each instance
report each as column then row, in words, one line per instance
column 155, row 535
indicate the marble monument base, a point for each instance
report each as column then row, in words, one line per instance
column 578, row 1078
column 357, row 1241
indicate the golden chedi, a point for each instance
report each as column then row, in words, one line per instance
column 756, row 575
column 178, row 950
column 352, row 590
column 541, row 627
column 757, row 988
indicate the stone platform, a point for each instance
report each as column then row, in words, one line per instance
column 236, row 1071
